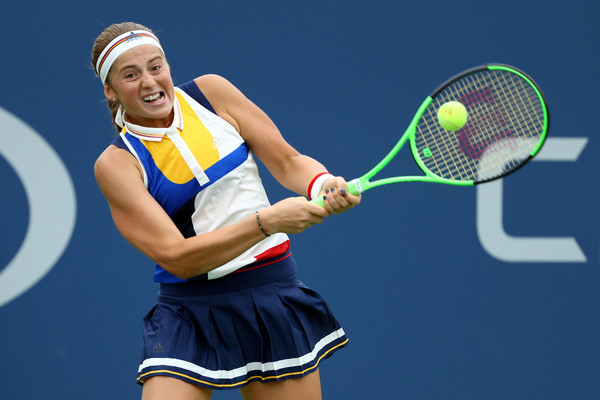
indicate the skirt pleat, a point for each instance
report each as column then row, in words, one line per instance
column 261, row 324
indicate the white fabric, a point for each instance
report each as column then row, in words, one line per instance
column 246, row 369
column 218, row 205
column 120, row 45
column 147, row 133
column 318, row 185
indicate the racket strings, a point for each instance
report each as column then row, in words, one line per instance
column 505, row 125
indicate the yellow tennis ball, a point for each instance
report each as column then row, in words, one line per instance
column 452, row 115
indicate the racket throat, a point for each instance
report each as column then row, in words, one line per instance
column 355, row 187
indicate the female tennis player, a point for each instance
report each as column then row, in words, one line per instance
column 183, row 188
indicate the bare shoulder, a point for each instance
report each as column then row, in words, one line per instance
column 228, row 102
column 221, row 93
column 115, row 163
column 112, row 157
column 213, row 85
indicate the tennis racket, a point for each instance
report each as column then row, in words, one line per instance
column 507, row 124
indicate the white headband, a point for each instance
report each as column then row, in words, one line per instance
column 120, row 45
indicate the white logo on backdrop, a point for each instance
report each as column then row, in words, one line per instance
column 52, row 205
column 504, row 247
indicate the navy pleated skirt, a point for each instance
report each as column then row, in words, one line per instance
column 260, row 323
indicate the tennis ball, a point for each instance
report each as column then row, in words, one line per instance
column 452, row 115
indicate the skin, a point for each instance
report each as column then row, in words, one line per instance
column 142, row 72
column 305, row 388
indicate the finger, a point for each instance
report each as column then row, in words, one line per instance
column 340, row 201
column 327, row 206
column 351, row 199
column 318, row 220
column 330, row 200
column 317, row 210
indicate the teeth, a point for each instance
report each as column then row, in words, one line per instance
column 152, row 98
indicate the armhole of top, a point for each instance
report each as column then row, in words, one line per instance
column 192, row 90
column 121, row 142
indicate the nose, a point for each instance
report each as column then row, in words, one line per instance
column 148, row 79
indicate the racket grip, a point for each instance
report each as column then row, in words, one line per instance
column 352, row 188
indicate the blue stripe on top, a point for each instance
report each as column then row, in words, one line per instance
column 195, row 93
column 183, row 215
column 178, row 199
column 172, row 196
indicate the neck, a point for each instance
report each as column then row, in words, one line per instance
column 152, row 123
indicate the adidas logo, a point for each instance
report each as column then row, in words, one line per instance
column 157, row 349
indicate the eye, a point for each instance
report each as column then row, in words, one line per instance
column 129, row 75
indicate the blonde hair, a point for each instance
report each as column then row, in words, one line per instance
column 100, row 44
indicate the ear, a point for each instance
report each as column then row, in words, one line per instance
column 110, row 93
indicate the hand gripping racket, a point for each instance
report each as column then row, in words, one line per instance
column 507, row 124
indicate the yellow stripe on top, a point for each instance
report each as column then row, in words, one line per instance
column 200, row 141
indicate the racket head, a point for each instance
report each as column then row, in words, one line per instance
column 508, row 120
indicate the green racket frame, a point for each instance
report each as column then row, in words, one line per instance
column 364, row 182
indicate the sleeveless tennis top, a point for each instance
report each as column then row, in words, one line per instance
column 202, row 173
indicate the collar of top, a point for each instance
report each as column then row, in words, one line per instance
column 147, row 133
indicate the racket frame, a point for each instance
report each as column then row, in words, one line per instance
column 363, row 183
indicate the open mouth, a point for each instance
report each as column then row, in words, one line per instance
column 154, row 97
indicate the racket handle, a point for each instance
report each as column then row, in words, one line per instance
column 352, row 189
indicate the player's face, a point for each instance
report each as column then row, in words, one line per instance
column 141, row 81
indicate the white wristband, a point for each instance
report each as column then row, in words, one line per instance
column 318, row 185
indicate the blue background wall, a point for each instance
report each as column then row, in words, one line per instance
column 435, row 308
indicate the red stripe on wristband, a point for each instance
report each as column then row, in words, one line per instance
column 312, row 182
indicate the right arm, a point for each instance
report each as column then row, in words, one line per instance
column 143, row 222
